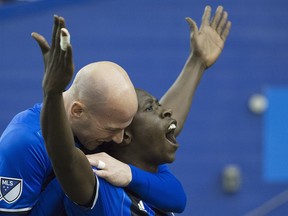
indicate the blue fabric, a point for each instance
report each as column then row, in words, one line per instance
column 25, row 169
column 24, row 163
column 50, row 201
column 164, row 183
column 111, row 200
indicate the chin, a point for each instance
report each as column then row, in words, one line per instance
column 170, row 159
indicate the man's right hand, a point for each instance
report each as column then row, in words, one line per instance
column 58, row 63
column 114, row 171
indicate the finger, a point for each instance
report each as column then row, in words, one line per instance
column 222, row 22
column 101, row 164
column 192, row 24
column 217, row 17
column 63, row 23
column 100, row 173
column 226, row 31
column 44, row 46
column 206, row 16
column 55, row 28
column 64, row 39
column 57, row 48
column 66, row 49
column 97, row 163
column 69, row 57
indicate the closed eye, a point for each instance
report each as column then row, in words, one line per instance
column 148, row 109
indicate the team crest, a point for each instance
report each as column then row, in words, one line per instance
column 10, row 189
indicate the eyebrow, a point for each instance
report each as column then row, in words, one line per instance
column 151, row 100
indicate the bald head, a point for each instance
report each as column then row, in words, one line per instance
column 101, row 81
column 105, row 91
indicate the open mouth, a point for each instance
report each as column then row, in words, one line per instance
column 170, row 132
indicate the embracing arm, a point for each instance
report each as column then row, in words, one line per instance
column 66, row 159
column 206, row 45
column 149, row 186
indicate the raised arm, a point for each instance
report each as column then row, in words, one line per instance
column 66, row 159
column 206, row 45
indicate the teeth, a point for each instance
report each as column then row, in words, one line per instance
column 172, row 126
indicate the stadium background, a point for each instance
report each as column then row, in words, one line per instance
column 150, row 39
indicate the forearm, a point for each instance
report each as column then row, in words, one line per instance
column 66, row 159
column 180, row 95
column 150, row 187
column 56, row 131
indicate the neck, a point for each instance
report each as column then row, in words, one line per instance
column 145, row 166
column 128, row 155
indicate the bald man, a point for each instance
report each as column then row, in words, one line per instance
column 147, row 143
column 100, row 103
column 29, row 139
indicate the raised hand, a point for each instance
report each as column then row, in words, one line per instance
column 58, row 63
column 207, row 42
column 206, row 45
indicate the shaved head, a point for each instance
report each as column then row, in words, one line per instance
column 100, row 83
column 104, row 91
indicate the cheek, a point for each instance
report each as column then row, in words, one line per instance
column 152, row 137
column 91, row 131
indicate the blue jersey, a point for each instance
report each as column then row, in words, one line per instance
column 151, row 186
column 25, row 171
column 24, row 163
column 110, row 200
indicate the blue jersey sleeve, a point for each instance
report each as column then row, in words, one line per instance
column 23, row 169
column 151, row 186
column 51, row 201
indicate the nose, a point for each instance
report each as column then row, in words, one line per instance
column 166, row 113
column 118, row 138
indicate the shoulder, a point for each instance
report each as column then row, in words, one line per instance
column 108, row 200
column 22, row 138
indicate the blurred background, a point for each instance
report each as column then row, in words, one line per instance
column 150, row 39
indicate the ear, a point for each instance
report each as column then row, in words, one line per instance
column 127, row 137
column 77, row 109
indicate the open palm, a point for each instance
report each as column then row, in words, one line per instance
column 207, row 42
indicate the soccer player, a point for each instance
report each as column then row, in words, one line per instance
column 38, row 166
column 149, row 141
column 76, row 176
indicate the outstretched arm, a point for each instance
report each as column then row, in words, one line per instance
column 149, row 186
column 206, row 45
column 66, row 159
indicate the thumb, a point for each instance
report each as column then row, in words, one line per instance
column 44, row 46
column 192, row 24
